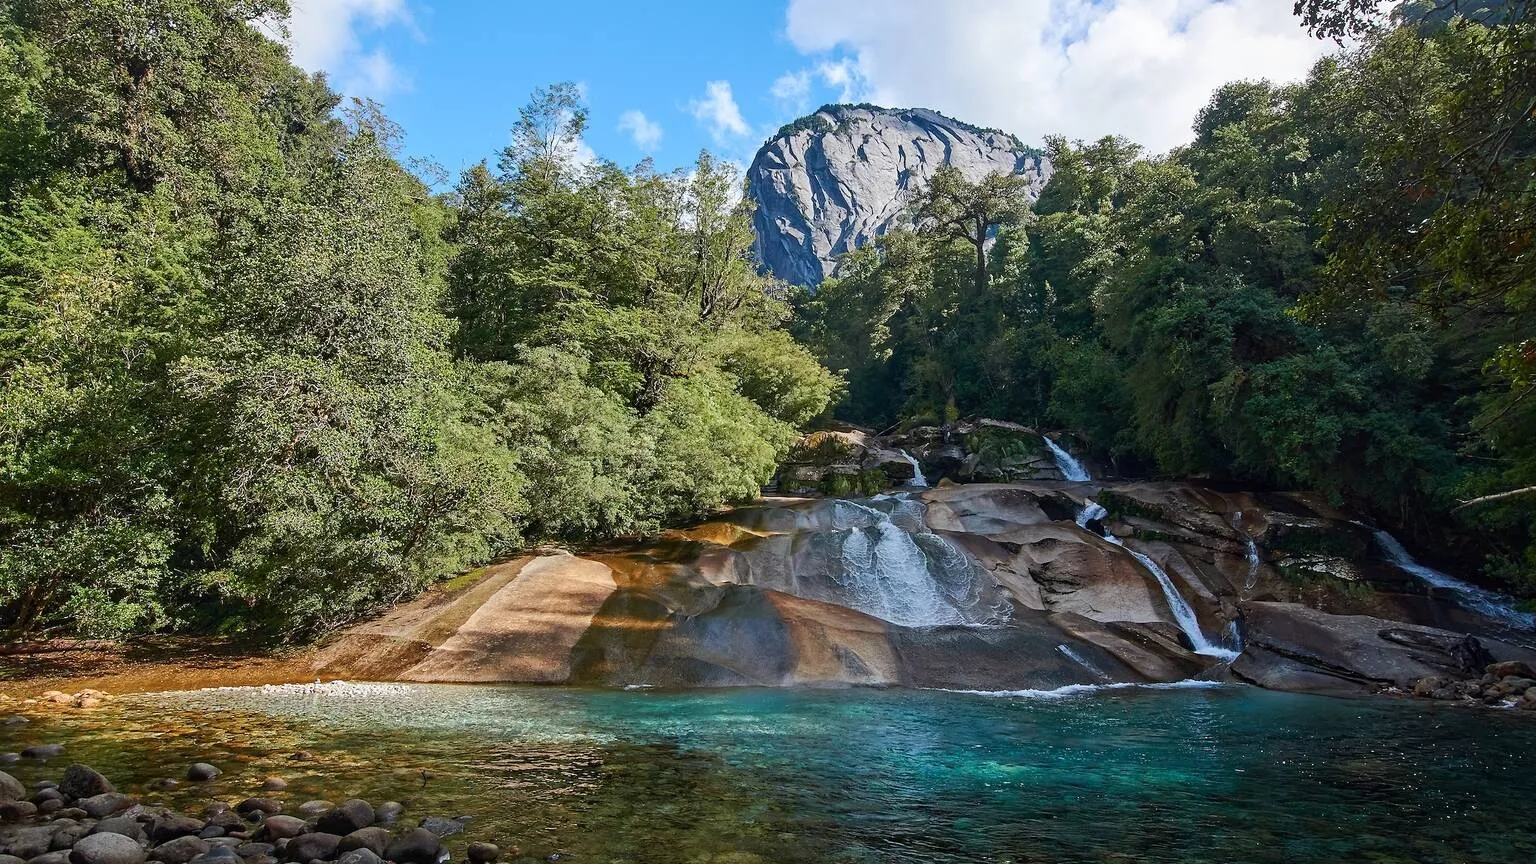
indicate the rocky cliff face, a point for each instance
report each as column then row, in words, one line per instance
column 833, row 181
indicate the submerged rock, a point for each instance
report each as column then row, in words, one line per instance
column 202, row 771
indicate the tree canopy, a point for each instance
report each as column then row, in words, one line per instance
column 258, row 376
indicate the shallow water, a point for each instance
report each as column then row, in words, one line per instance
column 1113, row 774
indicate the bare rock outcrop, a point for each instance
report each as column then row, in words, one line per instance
column 837, row 179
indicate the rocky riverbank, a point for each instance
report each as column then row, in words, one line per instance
column 81, row 818
column 973, row 587
column 1034, row 584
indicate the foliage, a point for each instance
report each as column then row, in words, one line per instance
column 257, row 376
column 1330, row 287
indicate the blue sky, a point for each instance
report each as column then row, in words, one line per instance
column 668, row 78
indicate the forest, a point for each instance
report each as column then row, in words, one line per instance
column 259, row 377
column 1331, row 287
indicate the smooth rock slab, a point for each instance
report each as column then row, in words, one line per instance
column 106, row 849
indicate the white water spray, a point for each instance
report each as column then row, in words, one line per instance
column 893, row 568
column 1477, row 599
column 918, row 480
column 1070, row 468
column 1183, row 615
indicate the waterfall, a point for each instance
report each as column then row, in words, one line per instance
column 1477, row 599
column 1253, row 552
column 918, row 479
column 892, row 567
column 1070, row 468
column 1183, row 615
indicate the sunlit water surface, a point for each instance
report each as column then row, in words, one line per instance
column 1218, row 774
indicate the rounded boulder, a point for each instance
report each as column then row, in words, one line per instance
column 199, row 772
column 346, row 817
column 416, row 846
column 106, row 849
column 181, row 850
column 309, row 847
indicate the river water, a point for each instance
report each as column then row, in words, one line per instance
column 1180, row 774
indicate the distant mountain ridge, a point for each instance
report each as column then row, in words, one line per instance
column 844, row 175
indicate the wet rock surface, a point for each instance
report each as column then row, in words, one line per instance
column 978, row 586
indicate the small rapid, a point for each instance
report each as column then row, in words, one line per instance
column 1479, row 600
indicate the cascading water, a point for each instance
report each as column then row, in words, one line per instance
column 1477, row 599
column 1253, row 552
column 1070, row 468
column 1183, row 615
column 918, row 479
column 892, row 567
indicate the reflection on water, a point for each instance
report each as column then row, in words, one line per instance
column 1213, row 774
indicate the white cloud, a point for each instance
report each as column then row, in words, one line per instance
column 326, row 35
column 1141, row 68
column 645, row 131
column 719, row 113
column 842, row 76
column 792, row 92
